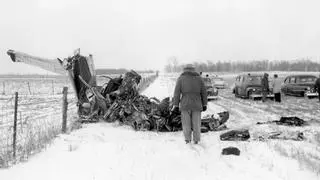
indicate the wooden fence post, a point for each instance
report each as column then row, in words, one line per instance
column 21, row 121
column 4, row 88
column 15, row 125
column 52, row 87
column 64, row 109
column 29, row 88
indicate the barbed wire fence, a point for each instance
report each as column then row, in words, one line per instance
column 32, row 113
column 32, row 118
column 33, row 86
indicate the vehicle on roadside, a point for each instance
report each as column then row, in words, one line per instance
column 212, row 92
column 300, row 85
column 249, row 86
column 219, row 82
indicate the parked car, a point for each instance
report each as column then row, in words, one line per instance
column 212, row 92
column 218, row 82
column 300, row 85
column 249, row 86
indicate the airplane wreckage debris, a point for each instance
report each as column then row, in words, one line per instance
column 235, row 135
column 287, row 121
column 295, row 136
column 230, row 151
column 243, row 134
column 119, row 100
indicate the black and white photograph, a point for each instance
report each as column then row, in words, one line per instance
column 159, row 89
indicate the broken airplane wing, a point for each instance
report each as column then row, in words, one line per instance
column 52, row 65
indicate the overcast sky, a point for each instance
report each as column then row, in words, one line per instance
column 143, row 34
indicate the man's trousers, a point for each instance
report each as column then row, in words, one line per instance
column 191, row 124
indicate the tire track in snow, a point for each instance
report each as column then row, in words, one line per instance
column 248, row 111
column 243, row 114
column 290, row 106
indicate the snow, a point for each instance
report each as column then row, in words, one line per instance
column 109, row 151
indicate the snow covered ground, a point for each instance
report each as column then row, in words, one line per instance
column 109, row 151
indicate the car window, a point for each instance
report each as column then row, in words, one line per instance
column 254, row 79
column 306, row 79
column 292, row 80
column 242, row 79
column 286, row 80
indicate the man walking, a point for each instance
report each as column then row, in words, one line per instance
column 265, row 86
column 276, row 87
column 317, row 86
column 191, row 94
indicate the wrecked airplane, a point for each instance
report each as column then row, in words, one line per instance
column 118, row 99
column 76, row 67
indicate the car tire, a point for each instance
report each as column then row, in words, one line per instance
column 237, row 92
column 249, row 94
column 284, row 92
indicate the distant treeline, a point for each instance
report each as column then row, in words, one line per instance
column 119, row 71
column 259, row 65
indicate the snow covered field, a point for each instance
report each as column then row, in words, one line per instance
column 109, row 151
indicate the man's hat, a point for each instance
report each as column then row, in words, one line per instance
column 189, row 67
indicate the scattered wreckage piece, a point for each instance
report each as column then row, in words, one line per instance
column 215, row 123
column 100, row 102
column 104, row 99
column 129, row 86
column 235, row 135
column 295, row 136
column 230, row 151
column 287, row 121
column 112, row 85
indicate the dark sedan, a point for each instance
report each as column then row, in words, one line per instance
column 300, row 85
column 212, row 92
